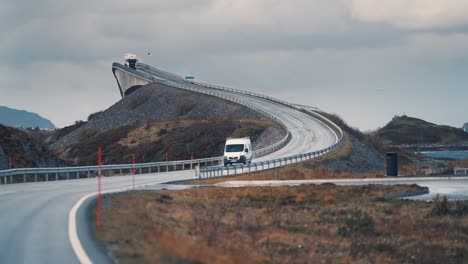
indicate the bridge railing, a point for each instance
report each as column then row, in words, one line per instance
column 262, row 166
column 460, row 171
column 259, row 153
column 195, row 87
column 224, row 88
column 265, row 165
column 67, row 173
column 60, row 173
column 271, row 164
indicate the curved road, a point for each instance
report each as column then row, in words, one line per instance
column 308, row 133
column 34, row 216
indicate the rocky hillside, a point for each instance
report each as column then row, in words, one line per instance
column 171, row 140
column 407, row 130
column 151, row 103
column 362, row 153
column 158, row 122
column 24, row 149
column 21, row 118
column 357, row 155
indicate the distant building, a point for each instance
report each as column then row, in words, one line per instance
column 465, row 127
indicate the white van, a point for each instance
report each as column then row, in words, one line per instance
column 238, row 150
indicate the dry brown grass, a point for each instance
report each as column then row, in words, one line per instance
column 290, row 172
column 150, row 132
column 280, row 225
column 158, row 141
column 459, row 163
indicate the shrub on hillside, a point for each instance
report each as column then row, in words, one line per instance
column 94, row 115
column 161, row 132
column 357, row 222
column 461, row 208
column 441, row 207
column 86, row 133
column 184, row 107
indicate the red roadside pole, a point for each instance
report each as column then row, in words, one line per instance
column 98, row 216
column 133, row 170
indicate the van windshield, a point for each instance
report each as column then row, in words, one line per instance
column 235, row 148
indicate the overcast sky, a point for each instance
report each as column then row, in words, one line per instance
column 364, row 60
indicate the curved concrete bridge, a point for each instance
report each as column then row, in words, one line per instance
column 130, row 79
column 308, row 133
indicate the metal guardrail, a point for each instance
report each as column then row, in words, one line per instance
column 270, row 164
column 299, row 106
column 261, row 166
column 460, row 171
column 258, row 153
column 226, row 171
column 67, row 173
column 62, row 173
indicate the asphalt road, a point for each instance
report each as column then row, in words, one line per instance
column 34, row 216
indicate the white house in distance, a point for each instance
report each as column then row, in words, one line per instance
column 465, row 127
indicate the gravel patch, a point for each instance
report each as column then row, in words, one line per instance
column 268, row 137
column 362, row 159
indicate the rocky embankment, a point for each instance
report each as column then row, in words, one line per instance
column 155, row 102
column 158, row 123
column 360, row 158
column 268, row 137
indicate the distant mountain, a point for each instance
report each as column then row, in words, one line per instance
column 21, row 118
column 405, row 130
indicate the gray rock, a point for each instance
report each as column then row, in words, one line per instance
column 157, row 102
column 362, row 159
column 268, row 137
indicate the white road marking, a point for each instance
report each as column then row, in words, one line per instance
column 83, row 258
column 80, row 253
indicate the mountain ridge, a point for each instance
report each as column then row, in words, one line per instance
column 405, row 130
column 22, row 118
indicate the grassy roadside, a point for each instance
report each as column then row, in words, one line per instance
column 326, row 223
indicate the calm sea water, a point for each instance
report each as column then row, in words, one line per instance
column 457, row 155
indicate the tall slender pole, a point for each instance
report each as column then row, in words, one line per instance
column 10, row 160
column 98, row 217
column 191, row 161
column 133, row 170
